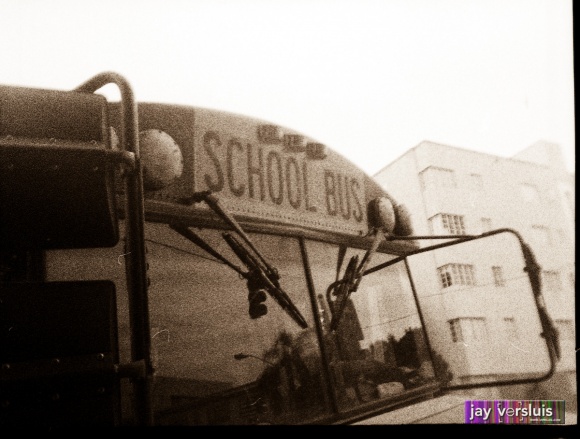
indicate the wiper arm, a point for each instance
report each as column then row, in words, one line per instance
column 259, row 266
column 341, row 289
column 198, row 240
column 259, row 275
column 340, row 259
column 350, row 281
column 215, row 205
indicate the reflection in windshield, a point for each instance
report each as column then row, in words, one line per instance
column 214, row 364
column 379, row 349
column 292, row 379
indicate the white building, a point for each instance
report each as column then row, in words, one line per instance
column 449, row 190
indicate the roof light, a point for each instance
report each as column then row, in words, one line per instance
column 404, row 226
column 381, row 214
column 294, row 143
column 269, row 134
column 315, row 151
column 161, row 157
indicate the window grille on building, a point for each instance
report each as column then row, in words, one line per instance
column 468, row 329
column 498, row 277
column 456, row 274
column 444, row 223
column 455, row 328
column 454, row 224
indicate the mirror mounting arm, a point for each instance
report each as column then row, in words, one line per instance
column 550, row 333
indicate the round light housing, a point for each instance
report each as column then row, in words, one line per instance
column 161, row 159
column 404, row 226
column 381, row 214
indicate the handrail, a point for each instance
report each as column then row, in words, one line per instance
column 136, row 264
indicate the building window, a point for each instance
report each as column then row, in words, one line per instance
column 475, row 182
column 437, row 177
column 468, row 329
column 485, row 225
column 455, row 327
column 444, row 223
column 529, row 192
column 511, row 328
column 453, row 224
column 456, row 274
column 542, row 235
column 498, row 278
column 565, row 328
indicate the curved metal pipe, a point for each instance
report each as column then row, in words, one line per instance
column 136, row 268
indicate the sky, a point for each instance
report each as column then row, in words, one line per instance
column 369, row 78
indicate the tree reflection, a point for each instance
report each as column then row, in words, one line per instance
column 292, row 382
column 383, row 368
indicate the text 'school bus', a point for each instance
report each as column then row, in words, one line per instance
column 170, row 265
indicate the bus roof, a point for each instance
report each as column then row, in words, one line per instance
column 269, row 176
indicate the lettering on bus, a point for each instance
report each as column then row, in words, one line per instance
column 288, row 180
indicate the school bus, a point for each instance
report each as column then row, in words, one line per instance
column 172, row 265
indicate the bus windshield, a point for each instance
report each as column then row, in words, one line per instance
column 217, row 365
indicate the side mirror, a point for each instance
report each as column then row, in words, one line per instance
column 482, row 307
column 483, row 310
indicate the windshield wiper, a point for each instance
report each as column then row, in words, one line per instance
column 260, row 270
column 260, row 276
column 350, row 281
column 198, row 240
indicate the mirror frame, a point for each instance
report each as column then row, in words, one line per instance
column 549, row 332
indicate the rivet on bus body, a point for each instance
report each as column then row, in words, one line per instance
column 6, row 366
column 101, row 356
